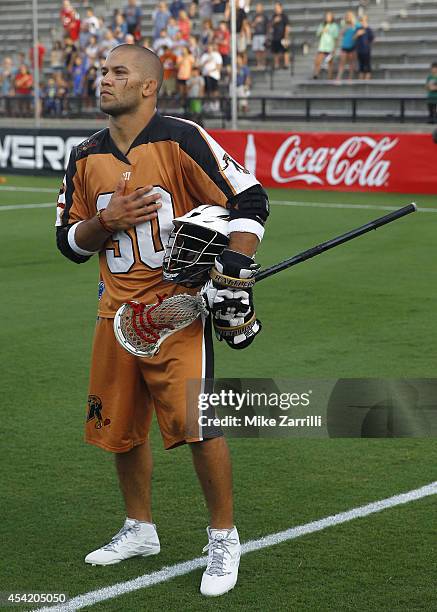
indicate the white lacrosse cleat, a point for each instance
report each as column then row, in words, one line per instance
column 135, row 539
column 224, row 552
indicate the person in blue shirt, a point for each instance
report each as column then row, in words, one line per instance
column 348, row 45
column 364, row 38
column 175, row 7
column 132, row 14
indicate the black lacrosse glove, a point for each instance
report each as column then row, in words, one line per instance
column 230, row 298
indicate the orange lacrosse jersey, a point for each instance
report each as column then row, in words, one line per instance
column 182, row 162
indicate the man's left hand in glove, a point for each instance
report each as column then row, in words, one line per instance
column 230, row 298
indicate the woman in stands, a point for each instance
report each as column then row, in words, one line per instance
column 327, row 34
column 348, row 45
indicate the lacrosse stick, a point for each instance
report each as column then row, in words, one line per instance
column 141, row 328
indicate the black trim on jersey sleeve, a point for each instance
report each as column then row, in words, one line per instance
column 62, row 231
column 65, row 248
column 250, row 204
column 194, row 145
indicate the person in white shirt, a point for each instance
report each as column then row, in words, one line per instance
column 163, row 41
column 92, row 22
column 211, row 64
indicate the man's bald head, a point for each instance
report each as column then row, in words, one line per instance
column 146, row 61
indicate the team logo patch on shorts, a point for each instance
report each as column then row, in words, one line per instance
column 95, row 408
column 101, row 289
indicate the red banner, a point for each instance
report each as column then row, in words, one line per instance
column 402, row 163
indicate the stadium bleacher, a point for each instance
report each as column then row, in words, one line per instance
column 404, row 47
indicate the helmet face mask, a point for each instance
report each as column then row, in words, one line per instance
column 196, row 240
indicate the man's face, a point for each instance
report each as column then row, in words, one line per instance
column 121, row 85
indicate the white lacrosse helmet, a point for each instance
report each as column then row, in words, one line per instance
column 196, row 240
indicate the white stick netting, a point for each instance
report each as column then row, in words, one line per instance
column 141, row 328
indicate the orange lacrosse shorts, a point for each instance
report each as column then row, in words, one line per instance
column 124, row 389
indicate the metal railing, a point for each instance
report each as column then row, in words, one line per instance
column 258, row 108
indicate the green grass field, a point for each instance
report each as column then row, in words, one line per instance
column 365, row 309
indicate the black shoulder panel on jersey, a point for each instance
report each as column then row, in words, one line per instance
column 65, row 248
column 97, row 143
column 250, row 204
column 190, row 140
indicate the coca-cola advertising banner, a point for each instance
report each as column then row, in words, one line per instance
column 403, row 163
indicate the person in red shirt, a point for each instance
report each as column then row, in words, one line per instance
column 70, row 20
column 41, row 53
column 169, row 61
column 23, row 83
column 67, row 15
column 184, row 25
column 222, row 38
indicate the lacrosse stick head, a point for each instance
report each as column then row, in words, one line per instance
column 141, row 328
column 196, row 240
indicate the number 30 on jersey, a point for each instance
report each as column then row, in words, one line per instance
column 150, row 237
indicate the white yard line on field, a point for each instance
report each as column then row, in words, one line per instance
column 25, row 206
column 180, row 569
column 30, row 189
column 274, row 202
column 348, row 206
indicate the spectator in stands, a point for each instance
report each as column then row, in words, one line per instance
column 218, row 13
column 243, row 84
column 211, row 65
column 67, row 15
column 49, row 95
column 129, row 39
column 431, row 88
column 179, row 44
column 56, row 57
column 163, row 41
column 168, row 59
column 259, row 26
column 92, row 53
column 146, row 43
column 172, row 27
column 108, row 43
column 23, row 83
column 207, row 33
column 350, row 26
column 279, row 33
column 175, row 7
column 327, row 34
column 244, row 33
column 184, row 25
column 92, row 22
column 78, row 76
column 120, row 29
column 41, row 53
column 70, row 52
column 84, row 35
column 222, row 38
column 160, row 17
column 7, row 78
column 133, row 14
column 364, row 39
column 195, row 91
column 115, row 14
column 205, row 9
column 185, row 63
column 70, row 20
column 90, row 87
column 194, row 47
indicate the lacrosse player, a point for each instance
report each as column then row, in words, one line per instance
column 122, row 190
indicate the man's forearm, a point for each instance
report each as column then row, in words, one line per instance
column 243, row 242
column 90, row 235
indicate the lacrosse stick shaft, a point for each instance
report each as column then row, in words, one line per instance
column 330, row 244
